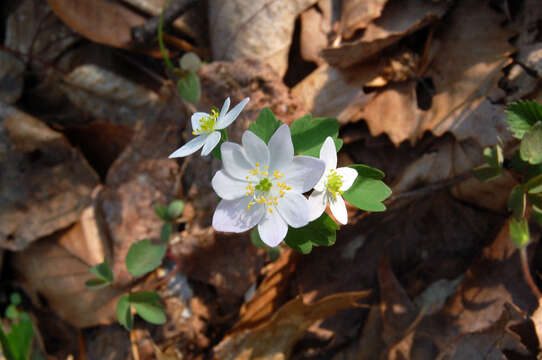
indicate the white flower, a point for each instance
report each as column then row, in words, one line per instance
column 331, row 186
column 205, row 126
column 262, row 185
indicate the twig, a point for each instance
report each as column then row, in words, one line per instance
column 527, row 272
column 143, row 34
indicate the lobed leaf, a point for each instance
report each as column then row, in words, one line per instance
column 308, row 134
column 320, row 232
column 368, row 191
column 161, row 211
column 265, row 126
column 143, row 257
column 530, row 148
column 522, row 116
column 103, row 271
column 124, row 313
column 146, row 305
column 189, row 87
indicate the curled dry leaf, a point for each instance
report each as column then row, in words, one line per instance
column 58, row 267
column 46, row 182
column 358, row 14
column 275, row 338
column 254, row 29
column 398, row 19
column 463, row 76
column 101, row 21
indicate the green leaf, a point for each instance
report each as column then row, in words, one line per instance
column 536, row 201
column 534, row 185
column 175, row 209
column 522, row 116
column 256, row 240
column 15, row 298
column 20, row 337
column 165, row 232
column 189, row 87
column 103, row 271
column 6, row 346
column 144, row 257
column 309, row 134
column 147, row 306
column 494, row 156
column 96, row 284
column 320, row 232
column 486, row 173
column 162, row 211
column 368, row 191
column 190, row 62
column 124, row 315
column 530, row 148
column 519, row 232
column 517, row 202
column 12, row 312
column 265, row 126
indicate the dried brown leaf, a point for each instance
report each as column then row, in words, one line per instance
column 46, row 182
column 254, row 29
column 398, row 19
column 275, row 338
column 358, row 14
column 313, row 37
column 463, row 77
column 59, row 274
column 101, row 21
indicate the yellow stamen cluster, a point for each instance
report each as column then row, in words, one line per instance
column 270, row 201
column 257, row 171
column 283, row 188
column 334, row 183
column 207, row 123
column 277, row 174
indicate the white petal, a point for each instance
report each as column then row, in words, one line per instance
column 338, row 209
column 210, row 143
column 317, row 204
column 294, row 209
column 272, row 229
column 227, row 187
column 190, row 147
column 227, row 119
column 321, row 184
column 225, row 108
column 349, row 176
column 281, row 149
column 233, row 215
column 328, row 153
column 304, row 173
column 255, row 149
column 235, row 161
column 196, row 117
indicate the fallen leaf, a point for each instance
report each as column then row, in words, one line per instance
column 358, row 14
column 463, row 78
column 46, row 182
column 101, row 21
column 313, row 37
column 11, row 78
column 275, row 338
column 398, row 19
column 50, row 270
column 248, row 29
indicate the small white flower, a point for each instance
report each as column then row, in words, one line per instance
column 205, row 126
column 263, row 185
column 331, row 186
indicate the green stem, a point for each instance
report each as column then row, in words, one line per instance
column 161, row 40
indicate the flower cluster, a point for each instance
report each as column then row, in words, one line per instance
column 263, row 184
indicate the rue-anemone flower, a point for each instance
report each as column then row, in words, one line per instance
column 331, row 186
column 205, row 126
column 263, row 185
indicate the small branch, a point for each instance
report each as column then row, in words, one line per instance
column 143, row 34
column 527, row 273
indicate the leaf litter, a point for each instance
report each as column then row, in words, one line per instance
column 419, row 89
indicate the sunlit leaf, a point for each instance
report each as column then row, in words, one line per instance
column 308, row 134
column 530, row 148
column 146, row 304
column 522, row 116
column 519, row 232
column 103, row 271
column 265, row 125
column 368, row 191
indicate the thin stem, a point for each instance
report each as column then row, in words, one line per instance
column 161, row 40
column 527, row 272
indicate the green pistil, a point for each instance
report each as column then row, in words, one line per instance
column 334, row 183
column 264, row 185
